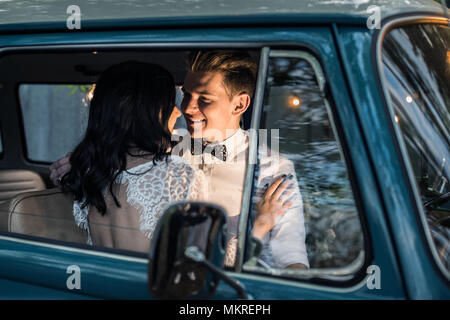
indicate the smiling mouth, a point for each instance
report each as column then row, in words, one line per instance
column 196, row 122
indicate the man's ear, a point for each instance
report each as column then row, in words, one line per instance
column 241, row 102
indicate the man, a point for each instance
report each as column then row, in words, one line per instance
column 217, row 91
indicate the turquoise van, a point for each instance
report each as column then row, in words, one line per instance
column 358, row 93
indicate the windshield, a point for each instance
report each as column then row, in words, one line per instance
column 417, row 68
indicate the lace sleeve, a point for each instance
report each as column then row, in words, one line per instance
column 231, row 251
column 81, row 218
column 150, row 188
column 185, row 181
column 198, row 189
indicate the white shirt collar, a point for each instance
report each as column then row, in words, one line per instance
column 235, row 144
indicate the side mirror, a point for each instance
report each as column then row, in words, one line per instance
column 188, row 251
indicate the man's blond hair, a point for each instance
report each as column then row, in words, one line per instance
column 238, row 69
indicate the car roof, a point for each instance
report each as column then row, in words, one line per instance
column 52, row 14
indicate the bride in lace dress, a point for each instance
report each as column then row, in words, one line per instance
column 122, row 175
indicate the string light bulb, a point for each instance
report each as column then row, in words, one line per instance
column 90, row 93
column 409, row 99
column 295, row 102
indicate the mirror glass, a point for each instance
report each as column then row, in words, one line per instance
column 185, row 225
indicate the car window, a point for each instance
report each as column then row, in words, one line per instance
column 416, row 64
column 326, row 230
column 297, row 132
column 54, row 118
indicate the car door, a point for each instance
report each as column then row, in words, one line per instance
column 301, row 63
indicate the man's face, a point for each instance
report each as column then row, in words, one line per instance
column 207, row 107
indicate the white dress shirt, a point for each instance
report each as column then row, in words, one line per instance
column 285, row 243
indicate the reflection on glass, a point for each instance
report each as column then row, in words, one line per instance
column 333, row 231
column 409, row 99
column 416, row 60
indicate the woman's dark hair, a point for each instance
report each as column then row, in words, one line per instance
column 130, row 110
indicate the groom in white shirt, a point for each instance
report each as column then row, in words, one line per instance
column 217, row 91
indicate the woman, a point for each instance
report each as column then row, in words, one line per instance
column 122, row 175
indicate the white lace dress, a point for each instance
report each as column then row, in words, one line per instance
column 149, row 188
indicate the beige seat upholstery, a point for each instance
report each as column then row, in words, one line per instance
column 13, row 182
column 46, row 213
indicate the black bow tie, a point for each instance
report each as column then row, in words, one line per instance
column 199, row 146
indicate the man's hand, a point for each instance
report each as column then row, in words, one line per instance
column 272, row 206
column 59, row 168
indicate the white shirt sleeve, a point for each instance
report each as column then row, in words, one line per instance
column 285, row 243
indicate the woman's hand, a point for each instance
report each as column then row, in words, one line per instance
column 272, row 206
column 60, row 168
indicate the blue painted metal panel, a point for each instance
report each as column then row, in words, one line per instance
column 189, row 12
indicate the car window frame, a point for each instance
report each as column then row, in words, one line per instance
column 413, row 188
column 357, row 278
column 339, row 277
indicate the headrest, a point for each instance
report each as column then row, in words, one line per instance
column 13, row 182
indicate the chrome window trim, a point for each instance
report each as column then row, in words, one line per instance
column 252, row 154
column 386, row 28
column 334, row 274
